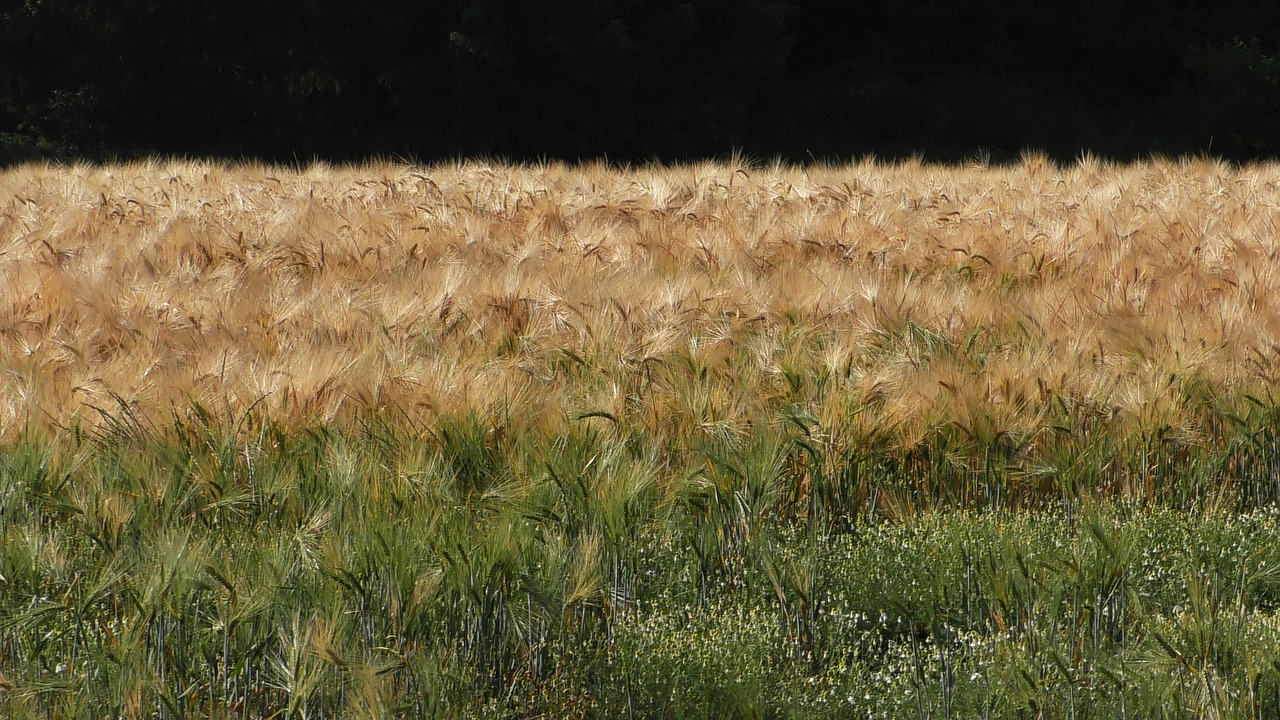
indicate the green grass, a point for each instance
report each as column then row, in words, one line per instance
column 473, row 570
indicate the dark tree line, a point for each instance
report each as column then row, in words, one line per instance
column 636, row 79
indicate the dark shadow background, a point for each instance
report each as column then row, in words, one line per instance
column 634, row 80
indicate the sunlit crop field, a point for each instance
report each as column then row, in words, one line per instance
column 738, row 440
column 883, row 300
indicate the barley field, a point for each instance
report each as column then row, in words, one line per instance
column 718, row 440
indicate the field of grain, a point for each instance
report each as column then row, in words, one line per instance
column 999, row 300
column 731, row 440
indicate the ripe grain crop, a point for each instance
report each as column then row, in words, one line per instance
column 888, row 301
